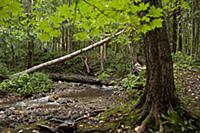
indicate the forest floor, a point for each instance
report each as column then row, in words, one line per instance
column 73, row 106
column 188, row 84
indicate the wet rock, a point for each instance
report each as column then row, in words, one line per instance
column 107, row 87
column 43, row 99
column 2, row 115
column 52, row 104
column 12, row 108
column 21, row 104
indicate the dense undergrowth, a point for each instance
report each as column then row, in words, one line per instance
column 27, row 84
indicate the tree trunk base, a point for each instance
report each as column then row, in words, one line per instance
column 163, row 122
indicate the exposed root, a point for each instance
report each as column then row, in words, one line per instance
column 143, row 126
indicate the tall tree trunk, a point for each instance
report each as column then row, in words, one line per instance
column 133, row 56
column 180, row 38
column 101, row 58
column 195, row 29
column 69, row 39
column 159, row 95
column 30, row 54
column 63, row 38
column 174, row 34
column 69, row 33
column 13, row 57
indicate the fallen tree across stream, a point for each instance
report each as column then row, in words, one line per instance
column 77, row 78
column 69, row 56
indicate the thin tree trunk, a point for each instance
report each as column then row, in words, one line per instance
column 86, row 63
column 13, row 57
column 195, row 29
column 69, row 40
column 69, row 33
column 30, row 54
column 174, row 34
column 69, row 56
column 133, row 55
column 105, row 47
column 180, row 40
column 101, row 58
column 63, row 38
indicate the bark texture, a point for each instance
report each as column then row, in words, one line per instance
column 195, row 29
column 160, row 88
column 159, row 95
column 174, row 33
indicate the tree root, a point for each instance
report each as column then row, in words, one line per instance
column 148, row 120
column 143, row 126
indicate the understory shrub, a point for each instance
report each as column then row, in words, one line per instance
column 3, row 69
column 182, row 60
column 27, row 84
column 132, row 81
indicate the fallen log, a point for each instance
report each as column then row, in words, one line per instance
column 77, row 78
column 69, row 56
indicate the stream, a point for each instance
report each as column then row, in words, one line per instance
column 66, row 104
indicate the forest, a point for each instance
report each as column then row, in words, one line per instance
column 99, row 66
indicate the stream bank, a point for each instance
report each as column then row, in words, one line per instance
column 56, row 111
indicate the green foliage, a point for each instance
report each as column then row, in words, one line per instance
column 3, row 69
column 183, row 60
column 105, row 74
column 180, row 121
column 27, row 84
column 8, row 9
column 132, row 81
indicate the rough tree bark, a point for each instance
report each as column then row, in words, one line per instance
column 159, row 95
column 195, row 29
column 69, row 56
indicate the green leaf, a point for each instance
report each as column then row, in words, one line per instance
column 145, row 19
column 144, row 28
column 155, row 12
column 44, row 37
column 156, row 23
column 143, row 7
column 54, row 33
column 81, row 36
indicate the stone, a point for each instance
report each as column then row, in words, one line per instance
column 21, row 104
